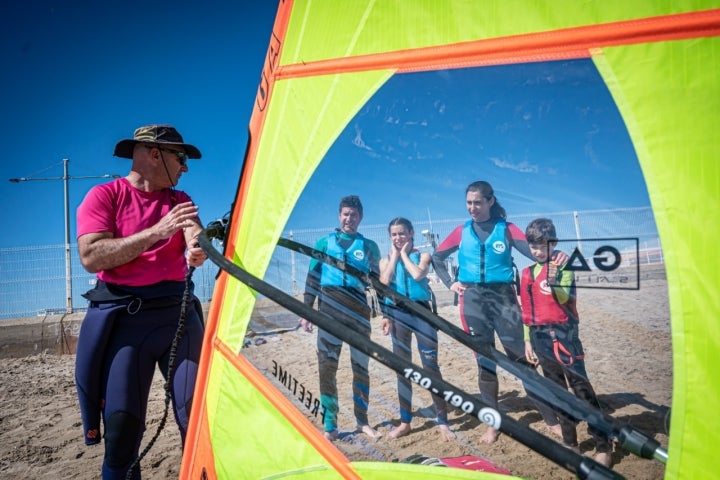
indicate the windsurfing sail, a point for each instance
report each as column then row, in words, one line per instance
column 331, row 63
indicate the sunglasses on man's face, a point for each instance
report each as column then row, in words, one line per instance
column 181, row 156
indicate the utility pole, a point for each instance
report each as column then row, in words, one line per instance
column 66, row 180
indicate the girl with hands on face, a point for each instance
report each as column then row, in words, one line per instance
column 405, row 269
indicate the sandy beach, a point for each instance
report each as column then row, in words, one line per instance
column 626, row 335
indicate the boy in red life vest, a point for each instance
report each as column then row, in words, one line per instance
column 550, row 317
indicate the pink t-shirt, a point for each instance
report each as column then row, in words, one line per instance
column 121, row 209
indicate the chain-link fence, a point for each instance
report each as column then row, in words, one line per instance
column 582, row 229
column 33, row 280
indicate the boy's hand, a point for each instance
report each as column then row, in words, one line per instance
column 559, row 257
column 530, row 354
column 552, row 271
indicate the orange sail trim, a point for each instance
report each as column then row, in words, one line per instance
column 334, row 457
column 203, row 462
column 197, row 438
column 546, row 46
column 267, row 79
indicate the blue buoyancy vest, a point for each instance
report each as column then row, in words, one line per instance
column 485, row 262
column 405, row 284
column 355, row 255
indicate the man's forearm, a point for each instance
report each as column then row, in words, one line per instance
column 107, row 253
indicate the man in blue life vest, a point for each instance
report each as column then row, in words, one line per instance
column 343, row 296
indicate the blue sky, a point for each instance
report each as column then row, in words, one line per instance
column 79, row 76
column 548, row 137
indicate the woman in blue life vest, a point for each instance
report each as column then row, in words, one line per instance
column 405, row 269
column 485, row 288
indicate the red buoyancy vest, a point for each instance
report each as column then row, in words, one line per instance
column 539, row 305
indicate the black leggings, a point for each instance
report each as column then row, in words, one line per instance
column 486, row 309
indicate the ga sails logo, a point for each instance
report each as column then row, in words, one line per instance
column 611, row 263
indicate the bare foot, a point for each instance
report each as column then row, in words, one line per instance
column 371, row 432
column 604, row 458
column 400, row 430
column 332, row 435
column 490, row 435
column 556, row 430
column 446, row 434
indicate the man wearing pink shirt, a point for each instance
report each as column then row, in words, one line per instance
column 139, row 234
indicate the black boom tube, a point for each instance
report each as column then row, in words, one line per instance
column 628, row 437
column 584, row 467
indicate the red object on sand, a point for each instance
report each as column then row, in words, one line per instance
column 470, row 462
